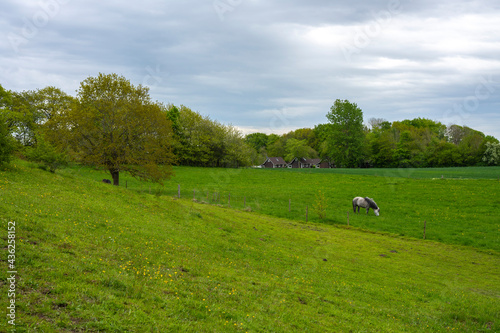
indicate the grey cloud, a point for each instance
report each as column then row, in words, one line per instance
column 241, row 66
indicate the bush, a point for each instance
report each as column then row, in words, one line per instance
column 43, row 152
column 7, row 144
column 320, row 205
column 492, row 154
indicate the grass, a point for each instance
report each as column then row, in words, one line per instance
column 455, row 211
column 98, row 258
column 420, row 173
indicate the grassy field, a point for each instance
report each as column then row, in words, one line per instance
column 455, row 211
column 98, row 258
column 448, row 173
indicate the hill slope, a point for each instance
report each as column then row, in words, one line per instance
column 93, row 257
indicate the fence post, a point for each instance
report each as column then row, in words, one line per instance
column 425, row 226
column 178, row 190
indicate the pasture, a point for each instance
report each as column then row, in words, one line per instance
column 462, row 208
column 92, row 257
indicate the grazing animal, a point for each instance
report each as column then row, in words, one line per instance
column 107, row 181
column 365, row 203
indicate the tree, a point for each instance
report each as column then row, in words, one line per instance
column 256, row 140
column 382, row 146
column 402, row 153
column 298, row 148
column 31, row 109
column 441, row 153
column 7, row 145
column 346, row 136
column 201, row 141
column 115, row 126
column 378, row 123
column 471, row 147
column 492, row 153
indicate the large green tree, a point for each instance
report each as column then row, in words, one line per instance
column 115, row 126
column 346, row 133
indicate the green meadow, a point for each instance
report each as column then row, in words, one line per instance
column 457, row 205
column 92, row 257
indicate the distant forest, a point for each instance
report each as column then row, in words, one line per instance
column 420, row 142
column 401, row 144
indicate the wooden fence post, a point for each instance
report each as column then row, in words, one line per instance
column 425, row 226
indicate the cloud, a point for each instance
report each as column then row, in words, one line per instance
column 242, row 61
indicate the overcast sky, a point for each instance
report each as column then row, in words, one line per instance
column 269, row 66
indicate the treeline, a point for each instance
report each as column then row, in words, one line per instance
column 115, row 125
column 200, row 141
column 401, row 144
column 31, row 123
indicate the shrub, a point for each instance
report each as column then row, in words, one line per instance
column 7, row 144
column 43, row 152
column 320, row 205
column 492, row 153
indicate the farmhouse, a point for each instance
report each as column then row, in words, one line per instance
column 305, row 163
column 274, row 162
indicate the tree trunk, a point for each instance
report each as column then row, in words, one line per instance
column 116, row 177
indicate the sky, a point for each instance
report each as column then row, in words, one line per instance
column 269, row 66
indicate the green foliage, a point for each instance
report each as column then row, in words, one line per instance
column 7, row 144
column 443, row 154
column 492, row 154
column 320, row 205
column 31, row 110
column 5, row 98
column 424, row 143
column 115, row 126
column 256, row 140
column 205, row 142
column 298, row 148
column 45, row 153
column 346, row 136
